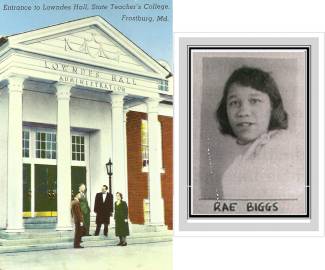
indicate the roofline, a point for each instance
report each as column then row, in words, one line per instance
column 95, row 16
column 3, row 40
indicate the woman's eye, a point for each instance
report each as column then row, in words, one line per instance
column 255, row 100
column 233, row 103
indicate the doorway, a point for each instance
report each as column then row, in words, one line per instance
column 45, row 190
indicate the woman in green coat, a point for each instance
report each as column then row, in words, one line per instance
column 121, row 219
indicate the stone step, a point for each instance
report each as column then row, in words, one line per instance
column 40, row 226
column 69, row 238
column 34, row 233
column 37, row 220
column 51, row 232
column 87, row 242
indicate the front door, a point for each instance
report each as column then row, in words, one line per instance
column 78, row 177
column 45, row 190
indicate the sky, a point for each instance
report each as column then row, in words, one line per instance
column 155, row 37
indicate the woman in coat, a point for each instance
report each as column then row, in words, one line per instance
column 121, row 219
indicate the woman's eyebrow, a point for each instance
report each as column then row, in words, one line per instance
column 256, row 95
column 232, row 96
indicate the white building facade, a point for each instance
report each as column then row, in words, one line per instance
column 65, row 91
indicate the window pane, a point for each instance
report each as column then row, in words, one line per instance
column 48, row 154
column 82, row 140
column 54, row 155
column 78, row 148
column 73, row 148
column 73, row 156
column 43, row 136
column 78, row 140
column 73, row 139
column 78, row 156
column 82, row 149
column 42, row 154
column 83, row 157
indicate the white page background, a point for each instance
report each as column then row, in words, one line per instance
column 253, row 252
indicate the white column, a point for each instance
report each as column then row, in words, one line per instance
column 119, row 181
column 63, row 158
column 126, row 197
column 156, row 203
column 15, row 160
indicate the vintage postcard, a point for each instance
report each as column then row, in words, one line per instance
column 86, row 143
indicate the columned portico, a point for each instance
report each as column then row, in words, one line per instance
column 156, row 204
column 63, row 157
column 62, row 129
column 15, row 171
column 118, row 145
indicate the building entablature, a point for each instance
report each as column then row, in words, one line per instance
column 86, row 54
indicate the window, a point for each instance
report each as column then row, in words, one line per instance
column 25, row 143
column 45, row 144
column 78, row 148
column 163, row 85
column 144, row 143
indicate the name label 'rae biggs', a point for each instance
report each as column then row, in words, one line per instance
column 265, row 206
column 76, row 70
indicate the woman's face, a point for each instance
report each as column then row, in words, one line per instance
column 118, row 196
column 249, row 112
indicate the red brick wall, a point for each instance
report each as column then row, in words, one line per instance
column 167, row 177
column 137, row 180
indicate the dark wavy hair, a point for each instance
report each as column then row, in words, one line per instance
column 261, row 81
column 120, row 195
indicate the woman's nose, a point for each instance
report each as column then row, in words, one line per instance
column 244, row 109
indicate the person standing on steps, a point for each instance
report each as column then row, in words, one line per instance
column 121, row 219
column 84, row 208
column 78, row 221
column 103, row 209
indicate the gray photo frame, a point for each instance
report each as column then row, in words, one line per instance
column 204, row 65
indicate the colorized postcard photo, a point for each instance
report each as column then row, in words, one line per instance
column 86, row 142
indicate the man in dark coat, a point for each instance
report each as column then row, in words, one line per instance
column 78, row 220
column 103, row 209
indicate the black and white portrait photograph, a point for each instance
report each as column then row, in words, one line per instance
column 249, row 131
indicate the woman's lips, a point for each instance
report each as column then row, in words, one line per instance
column 244, row 124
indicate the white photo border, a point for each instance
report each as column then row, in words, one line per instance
column 184, row 224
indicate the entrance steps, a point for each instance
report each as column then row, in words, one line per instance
column 49, row 239
column 40, row 223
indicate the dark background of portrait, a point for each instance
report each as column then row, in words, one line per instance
column 213, row 152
